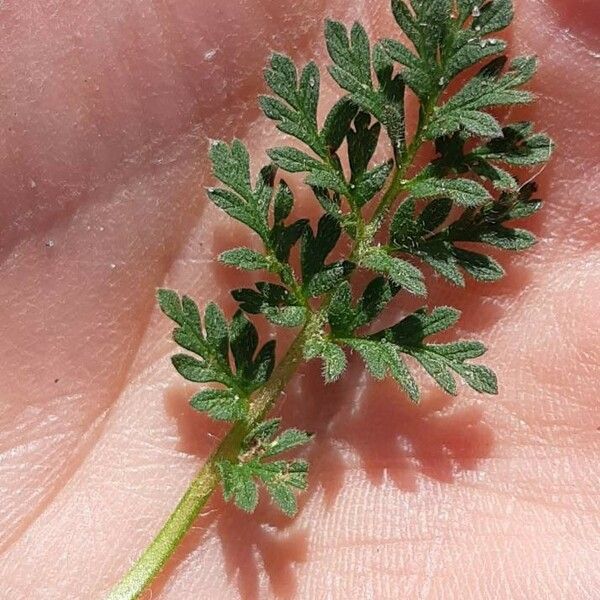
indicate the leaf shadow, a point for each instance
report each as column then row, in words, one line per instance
column 358, row 424
column 371, row 426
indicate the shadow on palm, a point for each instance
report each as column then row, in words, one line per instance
column 359, row 424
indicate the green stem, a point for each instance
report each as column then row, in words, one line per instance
column 398, row 182
column 155, row 556
column 153, row 559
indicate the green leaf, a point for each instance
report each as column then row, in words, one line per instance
column 443, row 50
column 445, row 44
column 260, row 435
column 283, row 203
column 490, row 88
column 288, row 237
column 420, row 324
column 337, row 123
column 520, row 205
column 190, row 337
column 473, row 121
column 238, row 484
column 383, row 359
column 190, row 314
column 295, row 473
column 267, row 295
column 493, row 16
column 479, row 266
column 330, row 202
column 462, row 191
column 478, row 377
column 286, row 316
column 263, row 366
column 376, row 296
column 351, row 55
column 404, row 225
column 328, row 278
column 418, row 74
column 237, row 209
column 272, row 300
column 334, row 359
column 469, row 46
column 434, row 214
column 227, row 478
column 441, row 257
column 282, row 77
column 439, row 360
column 368, row 184
column 407, row 23
column 217, row 331
column 231, row 166
column 400, row 272
column 334, row 362
column 505, row 238
column 263, row 442
column 195, row 370
column 362, row 142
column 290, row 438
column 244, row 342
column 281, row 478
column 170, row 304
column 246, row 495
column 293, row 160
column 319, row 174
column 224, row 405
column 283, row 497
column 296, row 115
column 316, row 248
column 317, row 277
column 263, row 191
column 517, row 145
column 469, row 49
column 499, row 178
column 292, row 474
column 484, row 225
column 241, row 339
column 343, row 317
column 214, row 366
column 245, row 258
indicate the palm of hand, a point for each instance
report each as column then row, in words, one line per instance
column 104, row 155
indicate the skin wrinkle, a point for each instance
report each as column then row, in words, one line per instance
column 77, row 464
column 173, row 34
column 100, row 79
column 118, row 174
column 93, row 432
column 78, row 455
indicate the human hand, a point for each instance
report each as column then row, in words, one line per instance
column 106, row 108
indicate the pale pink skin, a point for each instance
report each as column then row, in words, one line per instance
column 105, row 109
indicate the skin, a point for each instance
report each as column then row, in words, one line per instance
column 105, row 110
